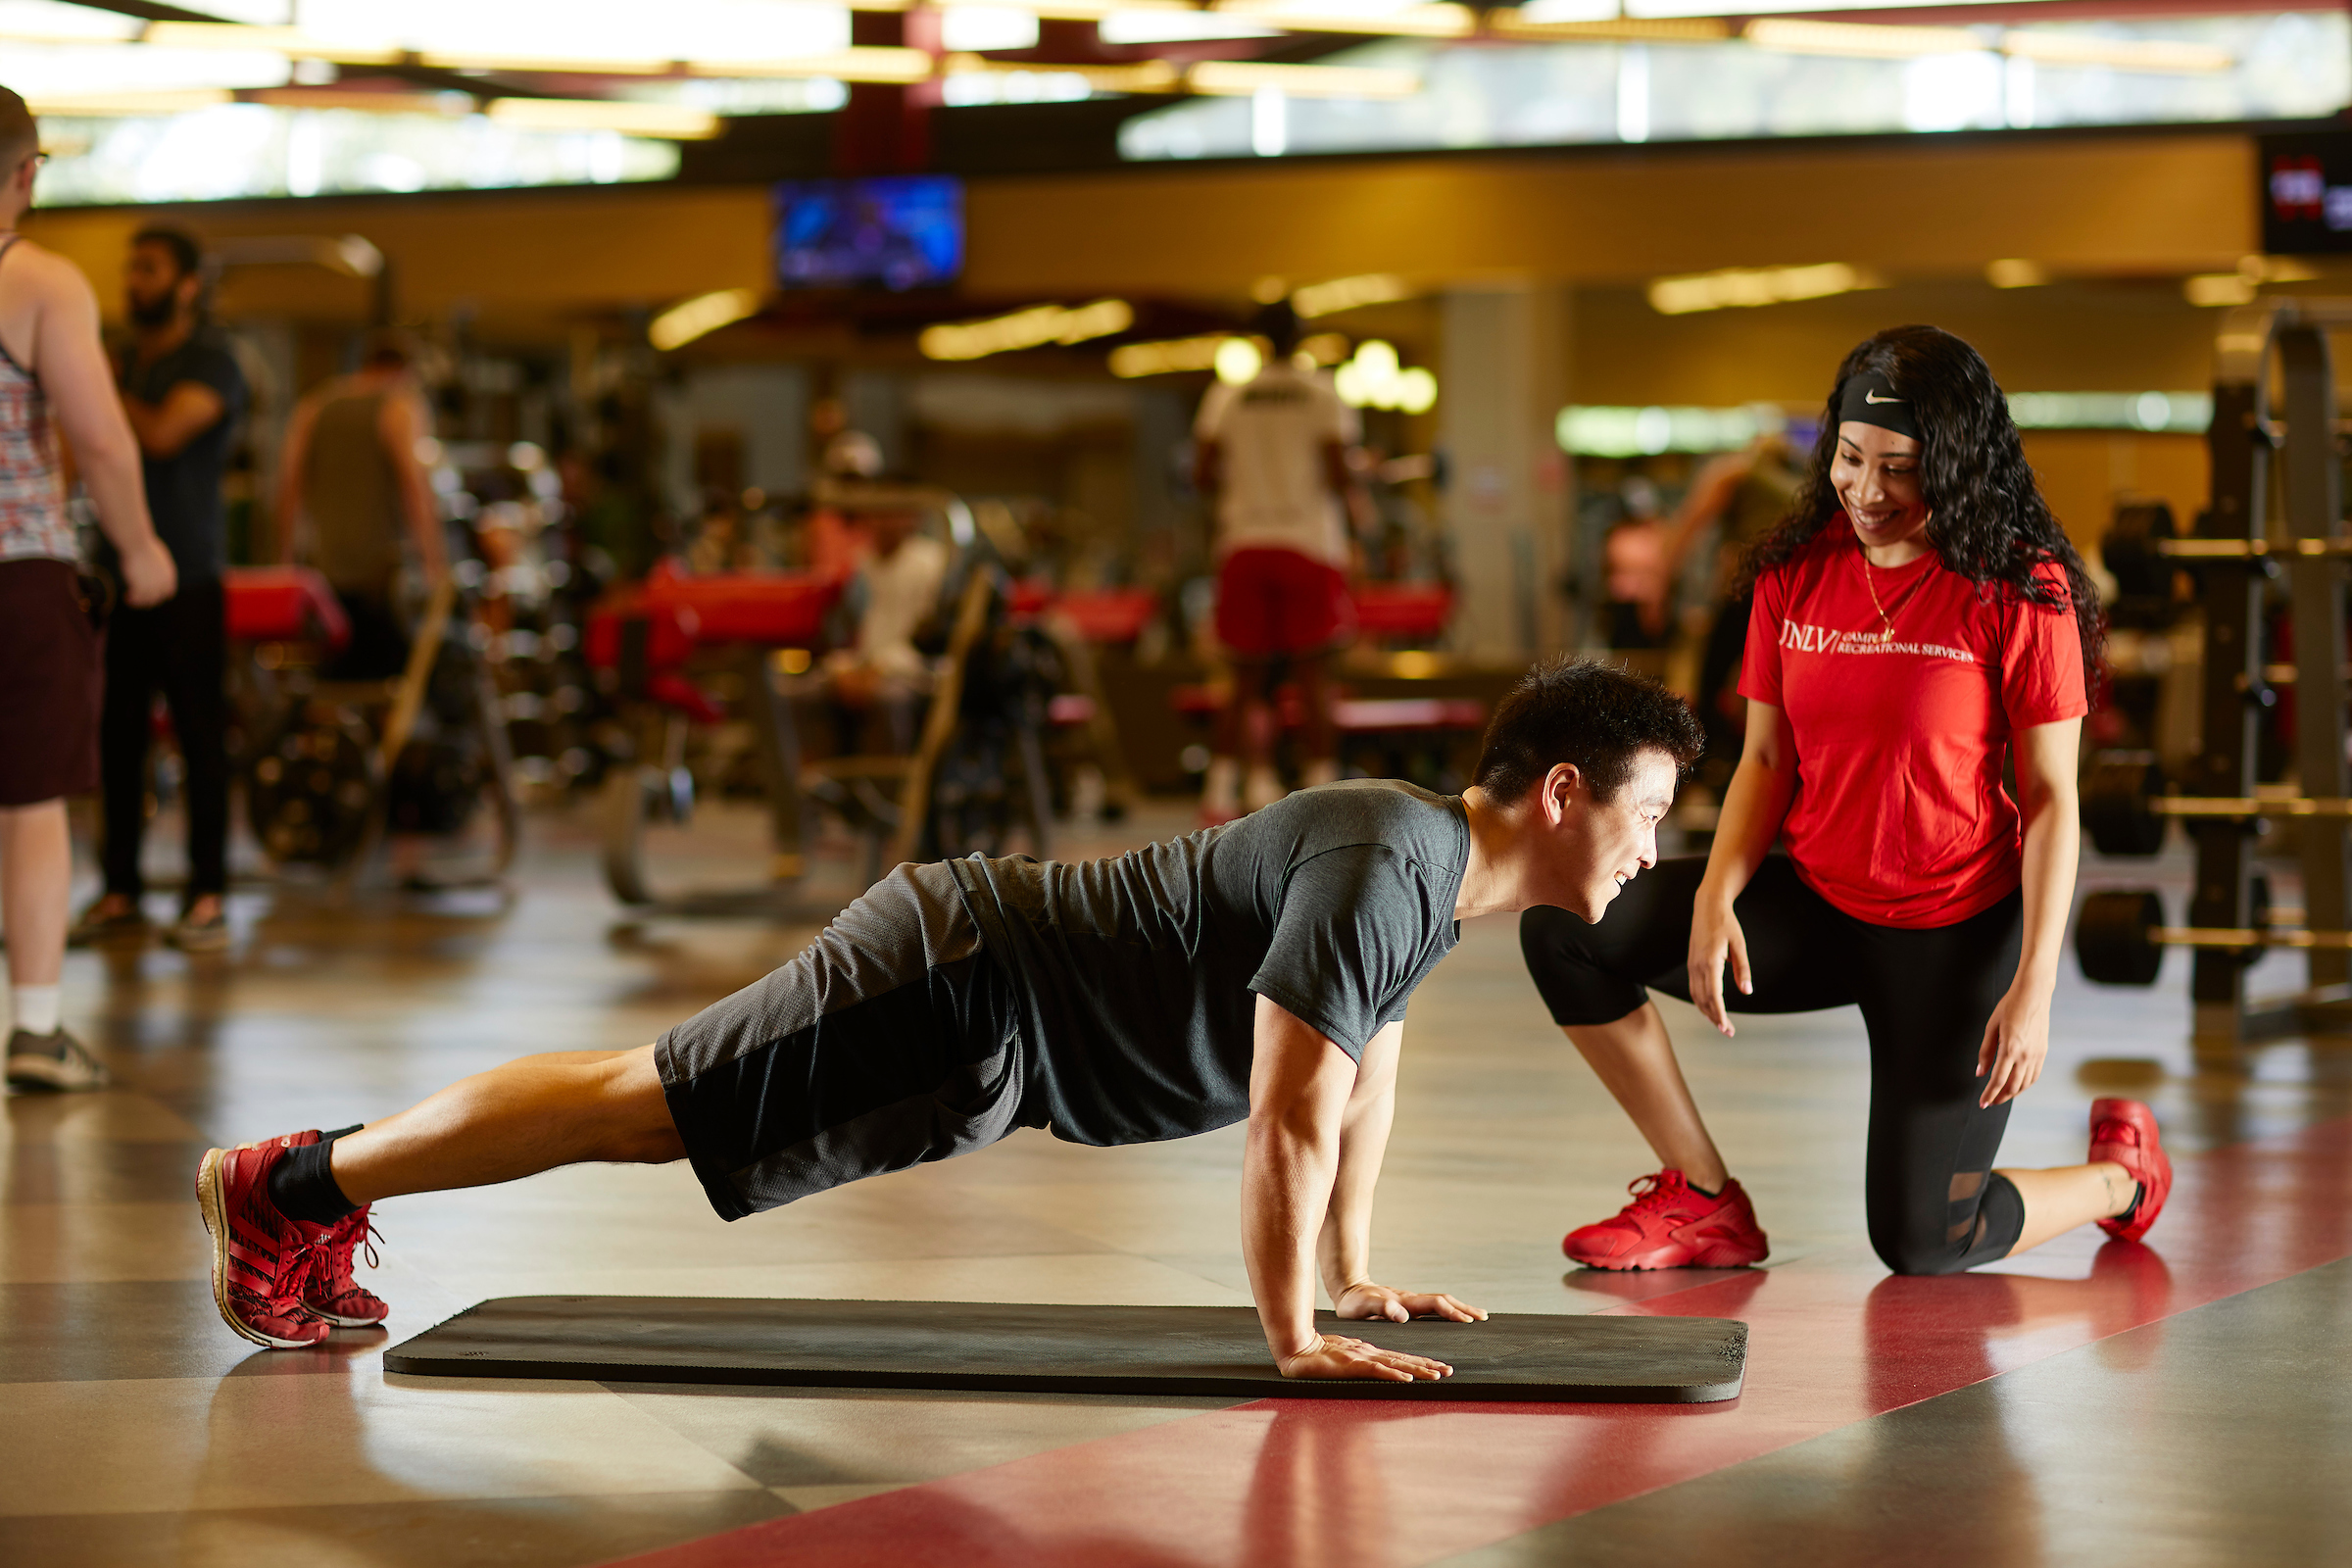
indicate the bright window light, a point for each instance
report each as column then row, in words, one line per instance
column 60, row 71
column 1176, row 27
column 979, row 28
column 48, row 21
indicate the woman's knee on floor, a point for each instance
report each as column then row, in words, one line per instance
column 1973, row 1218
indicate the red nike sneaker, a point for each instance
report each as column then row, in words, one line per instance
column 1670, row 1225
column 330, row 1291
column 261, row 1259
column 2124, row 1130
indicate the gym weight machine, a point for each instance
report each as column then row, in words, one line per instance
column 2121, row 933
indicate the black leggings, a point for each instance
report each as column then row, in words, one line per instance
column 1935, row 1204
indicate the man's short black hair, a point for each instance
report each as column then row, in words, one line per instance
column 1278, row 324
column 187, row 257
column 1595, row 715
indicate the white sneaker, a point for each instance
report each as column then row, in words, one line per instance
column 55, row 1062
column 1264, row 787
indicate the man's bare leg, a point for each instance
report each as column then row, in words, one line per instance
column 1635, row 1060
column 36, row 873
column 530, row 1115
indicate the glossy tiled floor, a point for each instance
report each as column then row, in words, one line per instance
column 2179, row 1404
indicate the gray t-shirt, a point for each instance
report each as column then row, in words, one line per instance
column 1136, row 977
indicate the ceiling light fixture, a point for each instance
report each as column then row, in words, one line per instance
column 862, row 63
column 1348, row 293
column 2162, row 56
column 1425, row 19
column 292, row 42
column 669, row 122
column 700, row 316
column 1143, row 76
column 1167, row 356
column 1032, row 328
column 128, row 105
column 1508, row 23
column 1870, row 40
column 1242, row 78
column 1742, row 286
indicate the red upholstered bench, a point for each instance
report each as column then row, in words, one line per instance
column 679, row 614
column 1402, row 612
column 284, row 605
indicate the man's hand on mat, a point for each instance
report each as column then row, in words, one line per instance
column 1368, row 1301
column 1335, row 1357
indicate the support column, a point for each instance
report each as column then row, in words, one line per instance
column 1501, row 382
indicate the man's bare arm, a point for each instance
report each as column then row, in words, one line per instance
column 165, row 429
column 293, row 456
column 71, row 360
column 1300, row 1087
column 1344, row 1248
column 403, row 425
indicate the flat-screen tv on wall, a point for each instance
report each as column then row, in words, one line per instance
column 895, row 232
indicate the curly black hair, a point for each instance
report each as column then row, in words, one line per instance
column 1985, row 516
column 1596, row 716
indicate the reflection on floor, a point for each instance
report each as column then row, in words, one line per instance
column 2174, row 1403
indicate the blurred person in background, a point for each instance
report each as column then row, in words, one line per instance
column 1639, row 584
column 183, row 392
column 1744, row 495
column 893, row 593
column 349, row 469
column 52, row 368
column 1273, row 455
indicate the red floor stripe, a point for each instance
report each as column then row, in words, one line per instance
column 1297, row 1483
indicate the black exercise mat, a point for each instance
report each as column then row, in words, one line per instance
column 1062, row 1349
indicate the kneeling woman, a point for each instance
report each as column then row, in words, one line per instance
column 1918, row 617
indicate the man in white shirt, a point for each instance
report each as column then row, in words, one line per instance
column 1273, row 454
column 895, row 591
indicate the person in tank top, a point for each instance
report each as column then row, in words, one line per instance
column 54, row 378
column 351, row 483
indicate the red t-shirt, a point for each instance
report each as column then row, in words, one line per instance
column 1900, row 816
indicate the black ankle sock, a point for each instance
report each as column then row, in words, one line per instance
column 303, row 1187
column 1703, row 1193
column 2139, row 1191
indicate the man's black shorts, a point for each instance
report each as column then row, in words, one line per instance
column 890, row 1041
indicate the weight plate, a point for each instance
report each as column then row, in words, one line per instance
column 2115, row 937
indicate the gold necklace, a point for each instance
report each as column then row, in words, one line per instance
column 1885, row 621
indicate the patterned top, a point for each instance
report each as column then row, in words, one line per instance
column 33, row 526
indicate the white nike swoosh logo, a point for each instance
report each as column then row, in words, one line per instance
column 1873, row 396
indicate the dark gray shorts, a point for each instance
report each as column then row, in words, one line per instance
column 890, row 1041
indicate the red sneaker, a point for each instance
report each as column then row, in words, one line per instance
column 332, row 1294
column 2124, row 1130
column 1670, row 1225
column 261, row 1259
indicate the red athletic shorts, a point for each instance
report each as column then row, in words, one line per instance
column 50, row 681
column 1272, row 603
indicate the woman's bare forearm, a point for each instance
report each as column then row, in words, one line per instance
column 1754, row 808
column 2052, row 847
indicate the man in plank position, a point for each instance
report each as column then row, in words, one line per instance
column 1257, row 969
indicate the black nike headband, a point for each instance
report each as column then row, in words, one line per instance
column 1871, row 399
